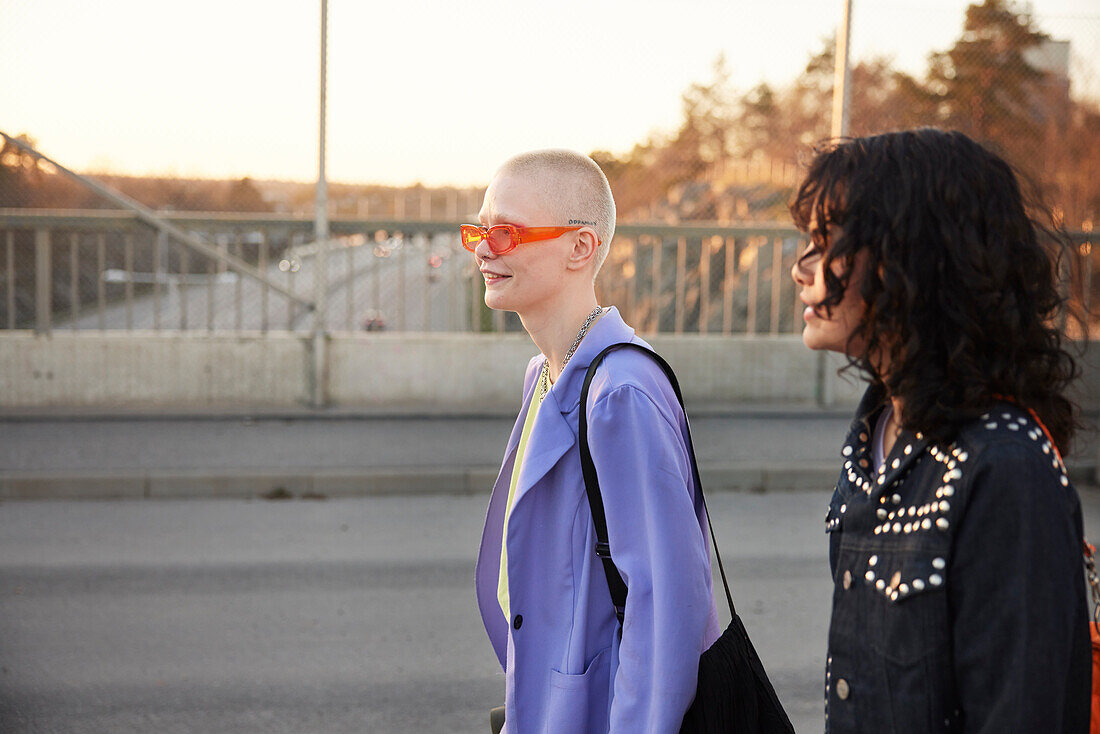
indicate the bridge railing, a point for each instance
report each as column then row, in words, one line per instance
column 109, row 270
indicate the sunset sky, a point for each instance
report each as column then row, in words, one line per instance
column 420, row 90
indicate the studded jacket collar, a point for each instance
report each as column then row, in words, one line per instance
column 927, row 554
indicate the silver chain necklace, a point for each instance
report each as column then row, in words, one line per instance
column 544, row 380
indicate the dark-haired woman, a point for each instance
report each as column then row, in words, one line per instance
column 955, row 534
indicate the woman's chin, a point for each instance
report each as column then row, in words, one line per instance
column 819, row 342
column 810, row 339
column 495, row 301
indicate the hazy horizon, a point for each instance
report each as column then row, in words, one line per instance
column 419, row 92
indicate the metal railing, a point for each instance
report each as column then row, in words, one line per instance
column 109, row 270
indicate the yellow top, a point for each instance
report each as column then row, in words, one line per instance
column 528, row 424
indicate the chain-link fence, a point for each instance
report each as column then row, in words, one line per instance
column 704, row 243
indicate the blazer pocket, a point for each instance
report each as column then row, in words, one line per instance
column 579, row 703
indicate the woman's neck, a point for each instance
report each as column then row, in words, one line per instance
column 554, row 332
column 893, row 426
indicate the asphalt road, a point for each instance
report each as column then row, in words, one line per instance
column 309, row 617
column 351, row 615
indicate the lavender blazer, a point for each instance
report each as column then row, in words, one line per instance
column 566, row 670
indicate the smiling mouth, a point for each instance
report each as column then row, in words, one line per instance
column 492, row 277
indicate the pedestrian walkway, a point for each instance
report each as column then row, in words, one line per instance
column 310, row 454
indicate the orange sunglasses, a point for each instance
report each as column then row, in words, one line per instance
column 504, row 238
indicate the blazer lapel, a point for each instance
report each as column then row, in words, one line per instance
column 555, row 432
column 550, row 439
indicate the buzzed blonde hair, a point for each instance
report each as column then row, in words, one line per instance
column 575, row 188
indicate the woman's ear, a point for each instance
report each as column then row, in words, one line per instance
column 584, row 249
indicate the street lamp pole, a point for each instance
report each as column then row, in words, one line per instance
column 320, row 232
column 842, row 74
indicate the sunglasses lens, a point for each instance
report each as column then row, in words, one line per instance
column 471, row 237
column 500, row 239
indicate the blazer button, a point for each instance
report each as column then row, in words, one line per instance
column 518, row 621
column 847, row 579
column 842, row 690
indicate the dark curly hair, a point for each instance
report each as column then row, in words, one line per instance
column 960, row 284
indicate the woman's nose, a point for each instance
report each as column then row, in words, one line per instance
column 797, row 275
column 483, row 251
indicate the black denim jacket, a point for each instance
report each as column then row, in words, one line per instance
column 959, row 592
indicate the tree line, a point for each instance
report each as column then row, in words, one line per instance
column 990, row 84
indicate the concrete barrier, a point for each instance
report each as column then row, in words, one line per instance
column 484, row 372
column 153, row 370
column 421, row 373
column 428, row 372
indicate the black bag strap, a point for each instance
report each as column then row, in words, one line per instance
column 615, row 583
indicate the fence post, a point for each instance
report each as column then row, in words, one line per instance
column 349, row 287
column 730, row 251
column 402, row 282
column 426, row 321
column 263, row 286
column 160, row 249
column 11, row 279
column 182, row 288
column 74, row 279
column 777, row 283
column 655, row 281
column 705, row 244
column 632, row 281
column 681, row 276
column 754, row 278
column 42, row 271
column 128, row 264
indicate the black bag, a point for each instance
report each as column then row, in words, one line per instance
column 496, row 719
column 734, row 695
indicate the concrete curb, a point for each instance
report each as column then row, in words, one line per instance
column 245, row 414
column 322, row 484
column 243, row 484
